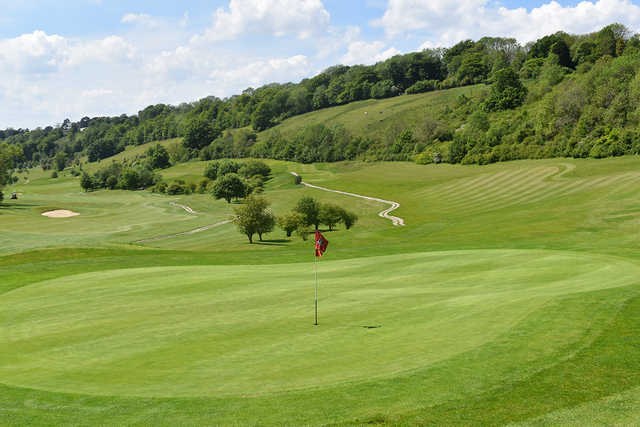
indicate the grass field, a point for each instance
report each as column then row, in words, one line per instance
column 510, row 297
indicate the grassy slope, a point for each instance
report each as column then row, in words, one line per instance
column 373, row 117
column 540, row 354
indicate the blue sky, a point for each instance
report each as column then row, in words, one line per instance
column 107, row 57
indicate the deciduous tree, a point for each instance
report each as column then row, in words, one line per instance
column 253, row 217
column 310, row 209
column 228, row 187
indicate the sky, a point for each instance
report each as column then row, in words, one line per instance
column 75, row 58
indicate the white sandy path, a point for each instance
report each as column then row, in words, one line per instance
column 185, row 207
column 60, row 213
column 384, row 214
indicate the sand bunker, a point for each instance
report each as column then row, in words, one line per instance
column 60, row 213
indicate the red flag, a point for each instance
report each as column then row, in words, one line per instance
column 321, row 244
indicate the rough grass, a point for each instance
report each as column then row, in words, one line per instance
column 510, row 297
column 373, row 117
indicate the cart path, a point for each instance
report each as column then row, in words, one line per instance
column 184, row 233
column 185, row 207
column 384, row 214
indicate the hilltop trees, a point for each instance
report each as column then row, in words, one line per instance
column 199, row 133
column 216, row 128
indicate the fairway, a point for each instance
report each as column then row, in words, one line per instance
column 511, row 295
column 247, row 330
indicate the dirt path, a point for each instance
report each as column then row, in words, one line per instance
column 185, row 207
column 384, row 214
column 184, row 233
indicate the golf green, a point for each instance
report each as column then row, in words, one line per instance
column 189, row 331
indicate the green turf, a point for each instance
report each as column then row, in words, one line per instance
column 510, row 297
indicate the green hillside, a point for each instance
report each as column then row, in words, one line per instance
column 373, row 118
column 510, row 296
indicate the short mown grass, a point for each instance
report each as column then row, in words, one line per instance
column 511, row 296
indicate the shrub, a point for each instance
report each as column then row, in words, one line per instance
column 253, row 168
column 291, row 222
column 203, row 185
column 175, row 188
column 228, row 166
column 54, row 174
column 160, row 187
column 211, row 170
column 422, row 86
column 111, row 182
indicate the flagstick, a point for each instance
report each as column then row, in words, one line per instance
column 316, row 299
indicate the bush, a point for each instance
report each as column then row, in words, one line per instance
column 291, row 222
column 228, row 166
column 507, row 91
column 54, row 174
column 86, row 182
column 160, row 187
column 422, row 86
column 203, row 185
column 211, row 170
column 111, row 182
column 253, row 168
column 175, row 188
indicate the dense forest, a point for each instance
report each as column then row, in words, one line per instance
column 563, row 95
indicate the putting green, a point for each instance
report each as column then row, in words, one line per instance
column 234, row 330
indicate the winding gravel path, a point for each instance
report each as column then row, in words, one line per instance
column 185, row 207
column 384, row 214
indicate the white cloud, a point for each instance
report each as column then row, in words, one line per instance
column 97, row 92
column 141, row 19
column 34, row 53
column 301, row 18
column 259, row 72
column 448, row 22
column 110, row 49
column 360, row 52
column 38, row 52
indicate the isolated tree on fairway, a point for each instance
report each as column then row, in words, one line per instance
column 253, row 217
column 291, row 222
column 310, row 209
column 330, row 215
column 266, row 223
column 228, row 187
column 199, row 133
column 348, row 218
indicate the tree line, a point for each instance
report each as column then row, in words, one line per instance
column 254, row 217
